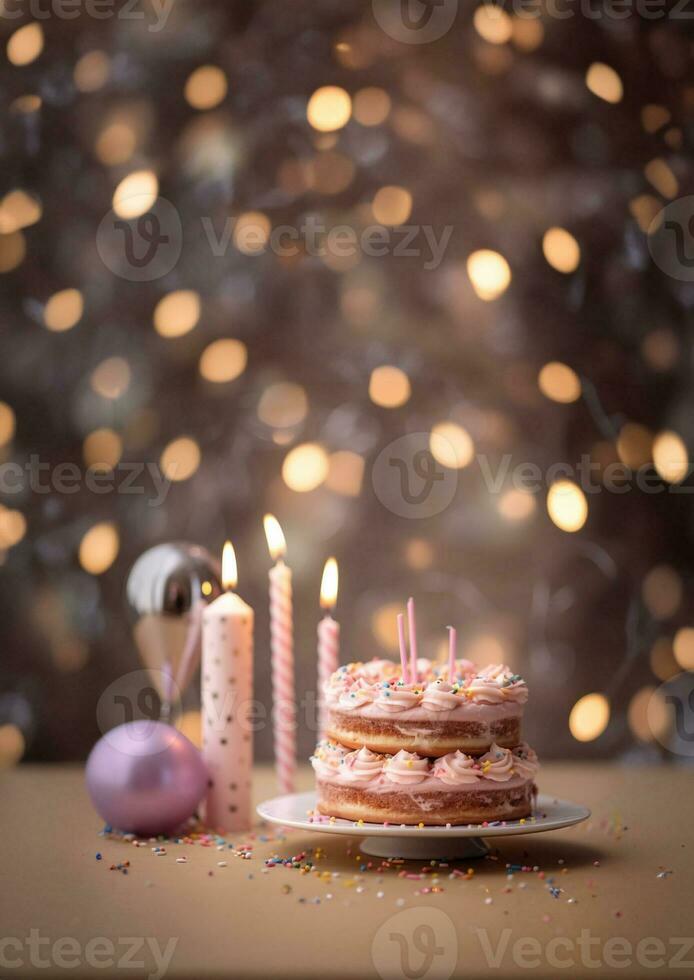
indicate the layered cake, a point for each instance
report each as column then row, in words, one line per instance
column 443, row 749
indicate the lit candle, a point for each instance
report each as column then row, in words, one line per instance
column 227, row 692
column 328, row 638
column 403, row 647
column 452, row 644
column 413, row 640
column 282, row 648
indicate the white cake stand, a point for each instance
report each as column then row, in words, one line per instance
column 407, row 841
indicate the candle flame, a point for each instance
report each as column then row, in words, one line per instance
column 230, row 575
column 275, row 537
column 328, row 586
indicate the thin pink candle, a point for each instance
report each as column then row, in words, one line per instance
column 403, row 647
column 328, row 639
column 282, row 658
column 452, row 645
column 413, row 640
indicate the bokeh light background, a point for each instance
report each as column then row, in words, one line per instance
column 259, row 381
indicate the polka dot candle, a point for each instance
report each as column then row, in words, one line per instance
column 227, row 698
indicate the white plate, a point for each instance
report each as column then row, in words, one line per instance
column 461, row 840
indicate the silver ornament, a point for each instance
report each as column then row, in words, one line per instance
column 166, row 591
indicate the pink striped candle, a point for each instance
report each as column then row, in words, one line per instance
column 282, row 657
column 413, row 640
column 452, row 646
column 328, row 639
column 403, row 647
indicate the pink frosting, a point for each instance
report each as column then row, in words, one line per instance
column 441, row 696
column 399, row 698
column 457, row 769
column 525, row 762
column 406, row 768
column 497, row 764
column 361, row 766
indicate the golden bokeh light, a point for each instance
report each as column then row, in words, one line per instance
column 92, row 71
column 604, row 82
column 559, row 382
column 648, row 715
column 12, row 745
column 492, row 24
column 116, row 143
column 683, row 647
column 19, row 210
column 384, row 624
column 332, row 173
column 561, row 250
column 389, row 386
column 135, row 194
column 190, row 725
column 635, row 445
column 516, row 505
column 659, row 173
column 392, row 205
column 489, row 273
column 180, row 459
column 251, row 232
column 223, row 360
column 488, row 648
column 63, row 310
column 13, row 527
column 346, row 473
column 662, row 590
column 8, row 423
column 13, row 249
column 661, row 349
column 177, row 313
column 670, row 457
column 644, row 208
column 99, row 548
column 111, row 378
column 305, row 467
column 419, row 554
column 653, row 117
column 206, row 87
column 25, row 45
column 102, row 449
column 567, row 506
column 283, row 405
column 329, row 109
column 451, row 445
column 589, row 717
column 662, row 659
column 528, row 33
column 371, row 106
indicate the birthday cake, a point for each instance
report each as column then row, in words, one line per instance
column 445, row 748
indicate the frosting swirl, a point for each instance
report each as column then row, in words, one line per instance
column 406, row 768
column 362, row 765
column 399, row 697
column 327, row 759
column 440, row 696
column 525, row 762
column 497, row 764
column 457, row 769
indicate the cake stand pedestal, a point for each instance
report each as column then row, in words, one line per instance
column 463, row 841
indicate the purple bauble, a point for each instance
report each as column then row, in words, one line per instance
column 145, row 777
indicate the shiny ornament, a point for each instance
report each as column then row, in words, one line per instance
column 145, row 777
column 166, row 591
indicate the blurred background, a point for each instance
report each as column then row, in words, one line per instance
column 395, row 273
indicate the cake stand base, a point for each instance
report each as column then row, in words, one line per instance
column 414, row 848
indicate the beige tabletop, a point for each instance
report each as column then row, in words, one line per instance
column 611, row 896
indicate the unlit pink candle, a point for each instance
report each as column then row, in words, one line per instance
column 452, row 644
column 403, row 647
column 282, row 649
column 227, row 700
column 413, row 641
